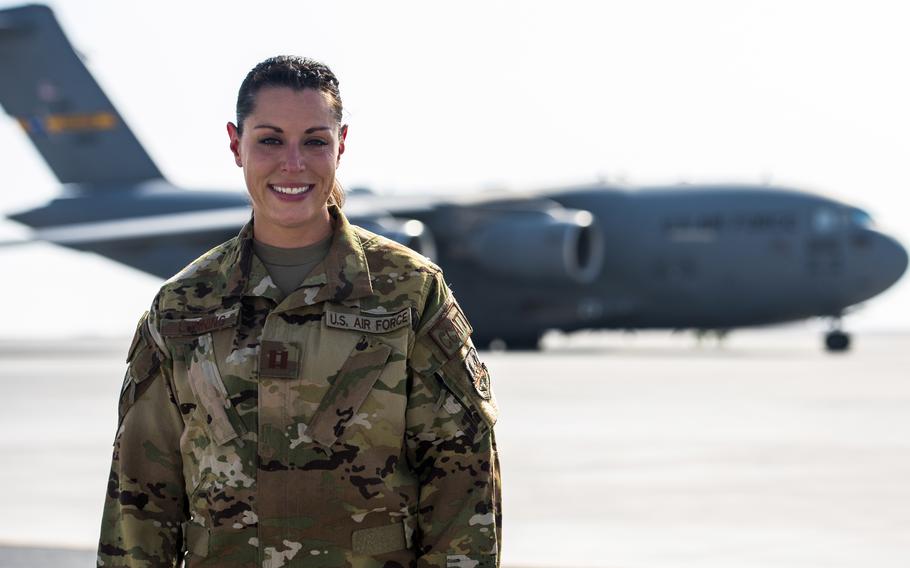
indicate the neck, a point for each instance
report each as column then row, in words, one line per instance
column 293, row 237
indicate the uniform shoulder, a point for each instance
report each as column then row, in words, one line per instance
column 385, row 256
column 199, row 282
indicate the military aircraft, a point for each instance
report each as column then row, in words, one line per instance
column 592, row 257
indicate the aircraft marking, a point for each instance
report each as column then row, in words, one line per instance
column 60, row 123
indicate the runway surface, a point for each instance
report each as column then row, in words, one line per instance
column 617, row 451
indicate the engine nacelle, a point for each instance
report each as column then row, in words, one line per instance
column 552, row 244
column 409, row 232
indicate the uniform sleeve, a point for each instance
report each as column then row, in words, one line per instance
column 450, row 442
column 145, row 504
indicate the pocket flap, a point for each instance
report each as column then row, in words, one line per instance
column 350, row 388
column 209, row 390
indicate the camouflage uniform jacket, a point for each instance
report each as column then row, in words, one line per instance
column 349, row 424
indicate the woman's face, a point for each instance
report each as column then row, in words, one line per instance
column 289, row 150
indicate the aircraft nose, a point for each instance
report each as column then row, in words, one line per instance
column 895, row 260
column 884, row 262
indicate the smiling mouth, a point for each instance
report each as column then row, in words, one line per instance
column 291, row 190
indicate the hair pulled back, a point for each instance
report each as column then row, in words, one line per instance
column 297, row 73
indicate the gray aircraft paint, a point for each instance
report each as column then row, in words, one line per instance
column 65, row 113
column 704, row 257
column 696, row 257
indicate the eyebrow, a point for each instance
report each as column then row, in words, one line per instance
column 307, row 131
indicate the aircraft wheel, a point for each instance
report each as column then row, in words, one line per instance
column 837, row 341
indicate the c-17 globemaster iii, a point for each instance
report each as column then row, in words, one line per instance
column 592, row 257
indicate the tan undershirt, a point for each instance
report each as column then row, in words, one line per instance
column 289, row 266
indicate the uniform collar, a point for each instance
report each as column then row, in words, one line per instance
column 342, row 276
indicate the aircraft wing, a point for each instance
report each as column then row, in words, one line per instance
column 148, row 227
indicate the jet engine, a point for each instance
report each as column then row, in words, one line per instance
column 554, row 244
column 409, row 232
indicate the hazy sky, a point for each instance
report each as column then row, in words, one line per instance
column 464, row 96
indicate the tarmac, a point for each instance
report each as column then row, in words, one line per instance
column 618, row 451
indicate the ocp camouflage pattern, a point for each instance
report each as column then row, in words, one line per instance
column 253, row 433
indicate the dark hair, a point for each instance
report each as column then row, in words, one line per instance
column 297, row 73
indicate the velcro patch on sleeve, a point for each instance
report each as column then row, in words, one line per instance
column 137, row 337
column 144, row 362
column 451, row 330
column 368, row 323
column 378, row 540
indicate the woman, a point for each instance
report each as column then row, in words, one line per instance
column 307, row 393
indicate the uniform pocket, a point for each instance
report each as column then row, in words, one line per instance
column 196, row 539
column 349, row 389
column 222, row 420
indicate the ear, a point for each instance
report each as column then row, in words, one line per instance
column 234, row 135
column 341, row 137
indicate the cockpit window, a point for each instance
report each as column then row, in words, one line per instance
column 825, row 220
column 860, row 218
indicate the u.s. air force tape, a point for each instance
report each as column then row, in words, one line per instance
column 369, row 323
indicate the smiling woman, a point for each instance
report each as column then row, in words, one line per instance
column 289, row 146
column 289, row 155
column 306, row 393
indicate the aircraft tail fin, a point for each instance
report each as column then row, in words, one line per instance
column 58, row 103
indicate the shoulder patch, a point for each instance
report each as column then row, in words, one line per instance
column 468, row 379
column 451, row 329
column 480, row 375
column 144, row 361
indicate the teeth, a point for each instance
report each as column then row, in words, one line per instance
column 292, row 190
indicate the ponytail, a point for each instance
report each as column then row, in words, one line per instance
column 336, row 196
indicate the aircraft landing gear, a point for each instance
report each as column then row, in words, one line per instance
column 529, row 342
column 837, row 341
column 524, row 342
column 718, row 334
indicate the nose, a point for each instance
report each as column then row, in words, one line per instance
column 893, row 260
column 293, row 159
column 878, row 260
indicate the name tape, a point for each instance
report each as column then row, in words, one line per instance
column 369, row 323
column 199, row 325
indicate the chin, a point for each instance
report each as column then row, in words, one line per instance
column 298, row 221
